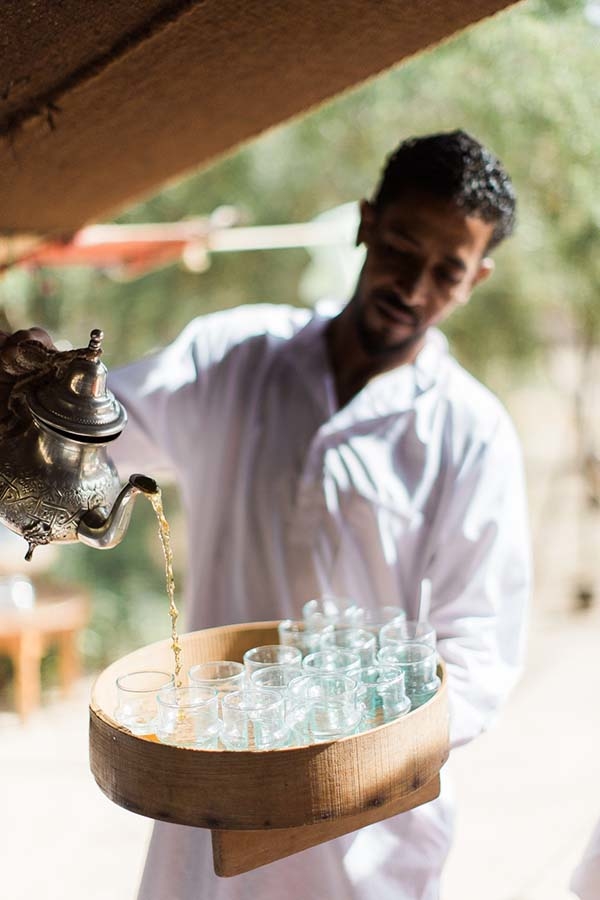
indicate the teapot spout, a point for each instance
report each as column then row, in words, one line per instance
column 104, row 533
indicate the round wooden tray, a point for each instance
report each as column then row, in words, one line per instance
column 308, row 794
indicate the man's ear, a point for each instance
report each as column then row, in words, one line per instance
column 367, row 221
column 486, row 267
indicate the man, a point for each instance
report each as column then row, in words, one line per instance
column 351, row 455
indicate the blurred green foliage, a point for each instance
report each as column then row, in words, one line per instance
column 524, row 82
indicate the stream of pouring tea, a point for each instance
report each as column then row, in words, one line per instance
column 165, row 539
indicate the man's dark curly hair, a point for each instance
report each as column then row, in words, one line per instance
column 455, row 166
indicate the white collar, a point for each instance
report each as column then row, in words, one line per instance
column 391, row 392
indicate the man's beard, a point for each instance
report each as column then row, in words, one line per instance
column 374, row 343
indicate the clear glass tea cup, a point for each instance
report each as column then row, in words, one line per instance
column 382, row 690
column 374, row 619
column 298, row 633
column 332, row 660
column 188, row 717
column 136, row 699
column 324, row 707
column 223, row 675
column 271, row 655
column 357, row 640
column 330, row 610
column 253, row 719
column 399, row 631
column 419, row 664
column 275, row 678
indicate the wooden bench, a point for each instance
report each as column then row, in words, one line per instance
column 59, row 613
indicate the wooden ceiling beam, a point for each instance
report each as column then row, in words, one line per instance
column 87, row 128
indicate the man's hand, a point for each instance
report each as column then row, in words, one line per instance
column 16, row 359
column 21, row 353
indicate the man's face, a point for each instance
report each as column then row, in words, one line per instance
column 424, row 257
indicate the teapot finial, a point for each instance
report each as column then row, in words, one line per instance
column 95, row 344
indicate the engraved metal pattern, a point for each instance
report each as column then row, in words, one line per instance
column 44, row 493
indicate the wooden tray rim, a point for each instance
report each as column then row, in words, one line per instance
column 96, row 710
column 287, row 787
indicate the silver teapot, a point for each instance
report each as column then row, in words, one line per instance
column 57, row 481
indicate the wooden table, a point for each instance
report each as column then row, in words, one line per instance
column 60, row 612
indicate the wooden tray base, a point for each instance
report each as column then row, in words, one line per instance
column 235, row 852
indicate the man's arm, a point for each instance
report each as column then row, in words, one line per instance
column 162, row 394
column 480, row 574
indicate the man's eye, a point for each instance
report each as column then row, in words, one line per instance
column 448, row 277
column 391, row 250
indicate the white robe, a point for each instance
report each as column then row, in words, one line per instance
column 287, row 497
column 585, row 882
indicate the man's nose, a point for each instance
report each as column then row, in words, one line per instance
column 413, row 285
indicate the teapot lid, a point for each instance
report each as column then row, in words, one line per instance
column 78, row 402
